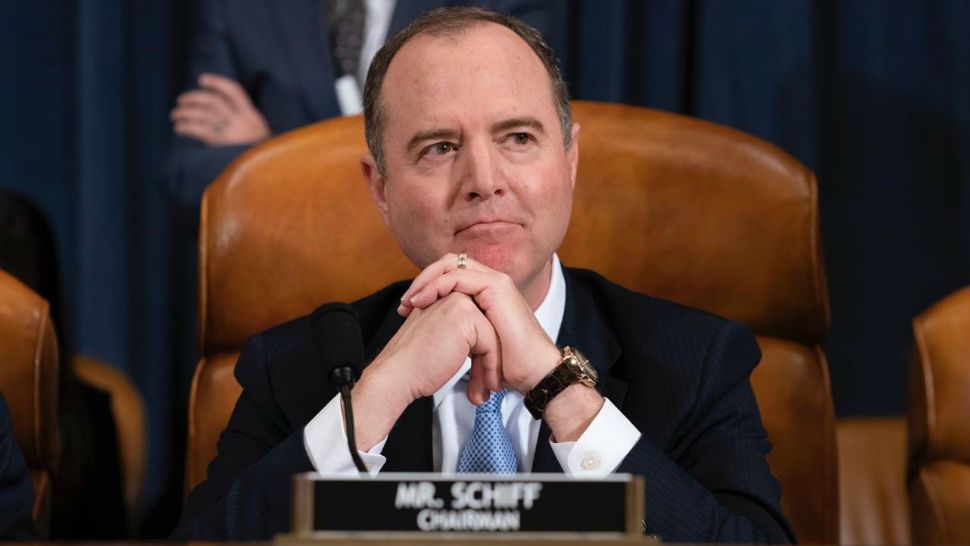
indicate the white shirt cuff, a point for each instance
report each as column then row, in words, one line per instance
column 601, row 448
column 325, row 440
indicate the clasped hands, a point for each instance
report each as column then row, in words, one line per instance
column 474, row 311
column 453, row 313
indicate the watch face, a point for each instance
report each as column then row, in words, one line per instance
column 582, row 365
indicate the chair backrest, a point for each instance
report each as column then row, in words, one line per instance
column 29, row 381
column 939, row 423
column 667, row 205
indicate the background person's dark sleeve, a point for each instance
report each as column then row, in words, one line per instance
column 716, row 487
column 16, row 489
column 192, row 165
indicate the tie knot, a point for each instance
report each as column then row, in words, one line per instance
column 493, row 404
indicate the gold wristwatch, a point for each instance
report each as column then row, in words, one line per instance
column 574, row 367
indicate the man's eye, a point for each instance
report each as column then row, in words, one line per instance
column 440, row 148
column 521, row 139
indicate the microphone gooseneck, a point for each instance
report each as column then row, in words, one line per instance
column 338, row 344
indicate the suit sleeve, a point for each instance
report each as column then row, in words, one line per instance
column 247, row 494
column 192, row 165
column 717, row 486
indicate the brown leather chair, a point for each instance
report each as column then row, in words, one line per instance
column 28, row 380
column 939, row 423
column 671, row 206
column 872, row 481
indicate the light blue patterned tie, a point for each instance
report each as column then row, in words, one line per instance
column 489, row 448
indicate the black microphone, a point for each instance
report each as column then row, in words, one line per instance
column 338, row 344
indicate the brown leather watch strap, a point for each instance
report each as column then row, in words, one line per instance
column 551, row 385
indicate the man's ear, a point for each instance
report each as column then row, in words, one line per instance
column 572, row 155
column 375, row 183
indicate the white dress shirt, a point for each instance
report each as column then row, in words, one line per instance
column 597, row 452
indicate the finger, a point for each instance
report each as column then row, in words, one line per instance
column 486, row 361
column 228, row 88
column 206, row 99
column 193, row 128
column 445, row 264
column 464, row 281
column 193, row 113
column 197, row 120
column 492, row 367
column 433, row 270
column 434, row 290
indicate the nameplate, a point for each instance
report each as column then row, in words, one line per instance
column 421, row 504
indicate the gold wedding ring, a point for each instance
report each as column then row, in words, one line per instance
column 462, row 260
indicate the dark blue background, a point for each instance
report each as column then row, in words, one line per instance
column 874, row 95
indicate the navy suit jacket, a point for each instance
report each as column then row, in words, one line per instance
column 680, row 375
column 279, row 52
column 16, row 489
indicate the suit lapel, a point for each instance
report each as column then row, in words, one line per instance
column 407, row 447
column 301, row 25
column 584, row 327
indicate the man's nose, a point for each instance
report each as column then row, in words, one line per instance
column 481, row 177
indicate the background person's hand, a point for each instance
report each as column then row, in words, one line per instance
column 527, row 352
column 218, row 113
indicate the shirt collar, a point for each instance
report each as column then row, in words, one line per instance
column 549, row 314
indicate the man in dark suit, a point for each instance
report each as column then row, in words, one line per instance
column 265, row 67
column 472, row 163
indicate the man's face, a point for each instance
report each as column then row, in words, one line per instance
column 474, row 154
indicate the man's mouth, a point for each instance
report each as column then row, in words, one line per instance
column 486, row 227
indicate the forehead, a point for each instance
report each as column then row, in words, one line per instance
column 484, row 71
